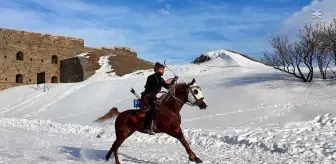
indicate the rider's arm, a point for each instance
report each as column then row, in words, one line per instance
column 168, row 85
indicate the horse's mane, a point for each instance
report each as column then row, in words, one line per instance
column 180, row 86
column 175, row 87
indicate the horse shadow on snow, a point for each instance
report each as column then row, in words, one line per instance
column 96, row 155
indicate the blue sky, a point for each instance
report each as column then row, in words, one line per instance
column 176, row 30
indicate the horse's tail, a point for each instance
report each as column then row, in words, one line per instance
column 111, row 114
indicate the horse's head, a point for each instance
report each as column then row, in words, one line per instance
column 195, row 96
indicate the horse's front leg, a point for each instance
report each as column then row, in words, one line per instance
column 178, row 134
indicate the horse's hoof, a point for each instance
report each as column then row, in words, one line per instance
column 107, row 157
column 198, row 160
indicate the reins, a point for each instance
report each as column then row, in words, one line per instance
column 170, row 95
column 180, row 102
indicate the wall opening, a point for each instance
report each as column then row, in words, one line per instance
column 19, row 56
column 19, row 78
column 54, row 79
column 71, row 70
column 54, row 59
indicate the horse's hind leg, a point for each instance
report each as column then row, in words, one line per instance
column 178, row 134
column 122, row 134
column 114, row 149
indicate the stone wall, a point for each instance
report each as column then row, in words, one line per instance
column 82, row 67
column 120, row 51
column 87, row 67
column 37, row 50
column 5, row 85
column 75, row 69
column 27, row 53
column 122, row 65
column 71, row 70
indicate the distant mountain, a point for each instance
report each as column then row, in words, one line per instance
column 229, row 57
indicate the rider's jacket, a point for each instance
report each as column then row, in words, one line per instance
column 154, row 84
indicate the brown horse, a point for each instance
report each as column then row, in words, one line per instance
column 167, row 118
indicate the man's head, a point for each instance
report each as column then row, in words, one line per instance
column 159, row 68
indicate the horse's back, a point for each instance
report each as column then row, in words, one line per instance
column 134, row 113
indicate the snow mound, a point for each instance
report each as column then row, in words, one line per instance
column 218, row 60
column 48, row 126
column 249, row 100
column 298, row 138
column 105, row 72
column 84, row 55
column 231, row 59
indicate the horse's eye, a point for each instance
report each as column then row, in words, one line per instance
column 195, row 91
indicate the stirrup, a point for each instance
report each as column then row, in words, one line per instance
column 149, row 131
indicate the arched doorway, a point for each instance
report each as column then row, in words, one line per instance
column 54, row 59
column 19, row 78
column 54, row 79
column 19, row 56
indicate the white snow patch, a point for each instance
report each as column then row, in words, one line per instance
column 84, row 55
column 255, row 115
column 301, row 143
column 232, row 59
column 105, row 71
column 104, row 64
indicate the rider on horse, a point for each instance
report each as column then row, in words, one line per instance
column 153, row 86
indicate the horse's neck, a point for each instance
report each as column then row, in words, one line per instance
column 175, row 105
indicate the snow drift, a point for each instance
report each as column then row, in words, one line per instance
column 255, row 115
column 227, row 58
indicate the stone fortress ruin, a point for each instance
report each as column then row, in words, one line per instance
column 24, row 54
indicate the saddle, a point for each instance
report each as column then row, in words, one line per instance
column 143, row 107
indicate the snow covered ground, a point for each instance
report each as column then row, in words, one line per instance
column 255, row 115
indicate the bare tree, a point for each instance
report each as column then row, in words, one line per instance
column 331, row 38
column 316, row 44
column 290, row 57
column 323, row 55
column 280, row 59
column 297, row 53
column 309, row 42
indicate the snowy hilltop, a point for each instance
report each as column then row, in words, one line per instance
column 228, row 58
column 255, row 114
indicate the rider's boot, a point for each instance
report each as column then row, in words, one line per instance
column 149, row 121
column 149, row 130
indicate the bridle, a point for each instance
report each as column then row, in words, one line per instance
column 187, row 94
column 197, row 102
column 189, row 90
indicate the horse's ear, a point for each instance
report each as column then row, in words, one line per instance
column 193, row 81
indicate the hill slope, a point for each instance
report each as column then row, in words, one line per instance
column 255, row 115
column 229, row 58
